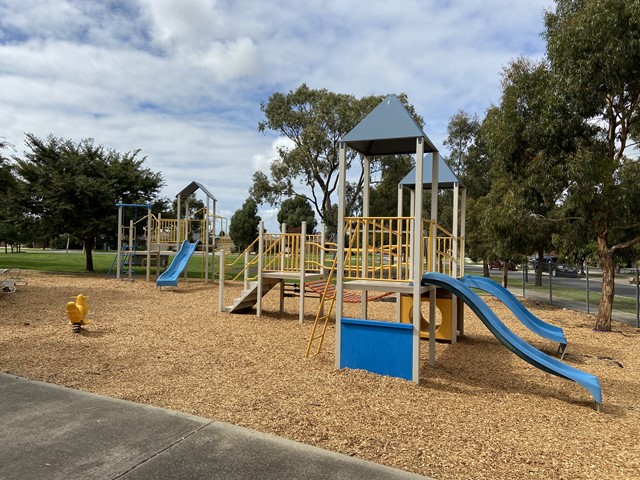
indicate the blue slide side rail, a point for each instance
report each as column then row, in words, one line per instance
column 510, row 340
column 528, row 319
column 169, row 278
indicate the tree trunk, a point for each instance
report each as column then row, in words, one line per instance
column 88, row 249
column 539, row 268
column 485, row 268
column 605, row 255
column 505, row 274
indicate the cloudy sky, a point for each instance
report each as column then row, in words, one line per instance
column 182, row 80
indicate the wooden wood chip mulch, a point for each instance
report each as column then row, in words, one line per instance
column 480, row 413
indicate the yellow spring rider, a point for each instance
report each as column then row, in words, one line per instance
column 77, row 311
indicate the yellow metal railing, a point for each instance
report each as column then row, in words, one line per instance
column 447, row 258
column 283, row 252
column 248, row 263
column 169, row 230
column 379, row 248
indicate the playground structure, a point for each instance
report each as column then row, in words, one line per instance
column 164, row 238
column 280, row 257
column 407, row 256
column 10, row 279
column 412, row 258
column 393, row 348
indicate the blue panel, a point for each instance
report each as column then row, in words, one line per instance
column 384, row 348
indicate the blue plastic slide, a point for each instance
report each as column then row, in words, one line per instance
column 510, row 340
column 169, row 278
column 528, row 319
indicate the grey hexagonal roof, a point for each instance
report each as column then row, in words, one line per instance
column 389, row 129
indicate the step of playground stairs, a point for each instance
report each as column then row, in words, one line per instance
column 240, row 300
column 239, row 306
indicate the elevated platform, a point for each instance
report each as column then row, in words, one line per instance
column 249, row 297
column 294, row 276
column 139, row 257
column 382, row 286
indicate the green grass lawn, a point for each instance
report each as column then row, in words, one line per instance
column 75, row 262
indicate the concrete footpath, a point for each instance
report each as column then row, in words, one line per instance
column 51, row 432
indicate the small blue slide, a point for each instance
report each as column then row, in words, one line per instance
column 510, row 340
column 528, row 319
column 169, row 278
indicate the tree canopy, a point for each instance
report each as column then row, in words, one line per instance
column 384, row 196
column 529, row 136
column 7, row 184
column 593, row 47
column 294, row 211
column 10, row 208
column 314, row 121
column 243, row 228
column 73, row 187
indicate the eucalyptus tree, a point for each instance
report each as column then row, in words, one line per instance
column 594, row 50
column 469, row 161
column 529, row 136
column 314, row 121
column 462, row 134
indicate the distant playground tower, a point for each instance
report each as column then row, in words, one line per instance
column 163, row 236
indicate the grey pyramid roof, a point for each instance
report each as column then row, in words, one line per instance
column 446, row 177
column 192, row 187
column 388, row 129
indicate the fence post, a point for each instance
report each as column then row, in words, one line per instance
column 637, row 299
column 221, row 282
column 588, row 290
column 550, row 284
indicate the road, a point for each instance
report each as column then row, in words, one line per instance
column 623, row 287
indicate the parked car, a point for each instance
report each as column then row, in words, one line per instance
column 546, row 261
column 550, row 262
column 499, row 264
column 564, row 270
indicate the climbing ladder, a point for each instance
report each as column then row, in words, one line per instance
column 372, row 241
column 328, row 292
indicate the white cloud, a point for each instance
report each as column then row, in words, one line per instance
column 183, row 80
column 230, row 60
column 262, row 161
column 187, row 22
